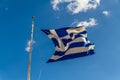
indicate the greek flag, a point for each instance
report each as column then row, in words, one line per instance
column 69, row 43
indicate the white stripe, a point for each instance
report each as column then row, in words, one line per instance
column 76, row 30
column 55, row 57
column 79, row 49
column 65, row 37
column 53, row 32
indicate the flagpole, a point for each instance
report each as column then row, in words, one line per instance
column 30, row 52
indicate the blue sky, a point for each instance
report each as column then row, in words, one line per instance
column 15, row 27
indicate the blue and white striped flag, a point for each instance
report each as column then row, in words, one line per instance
column 69, row 43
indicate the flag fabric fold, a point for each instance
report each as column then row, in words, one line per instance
column 70, row 42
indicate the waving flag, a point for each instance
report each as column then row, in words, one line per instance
column 69, row 43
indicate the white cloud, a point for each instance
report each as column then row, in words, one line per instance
column 76, row 6
column 90, row 23
column 28, row 46
column 106, row 13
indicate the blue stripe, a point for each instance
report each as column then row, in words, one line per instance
column 71, row 34
column 90, row 52
column 84, row 32
column 55, row 42
column 59, row 53
column 65, row 41
column 89, row 44
column 86, row 38
column 61, row 32
column 72, row 56
column 77, row 44
column 76, row 36
column 46, row 31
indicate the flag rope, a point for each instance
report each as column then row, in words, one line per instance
column 41, row 70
